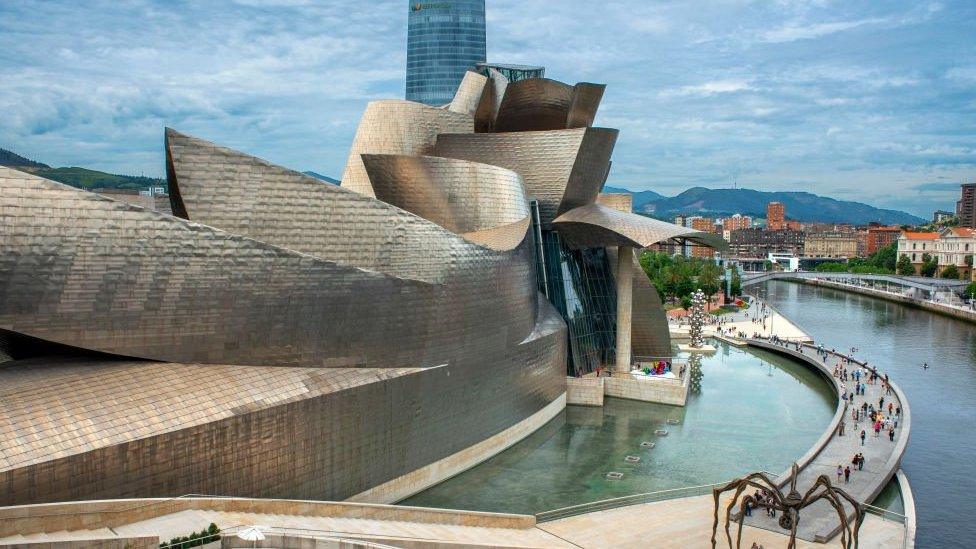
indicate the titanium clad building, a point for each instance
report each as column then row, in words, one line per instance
column 444, row 40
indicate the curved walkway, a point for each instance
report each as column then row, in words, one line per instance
column 819, row 522
column 774, row 332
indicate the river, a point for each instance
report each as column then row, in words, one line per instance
column 940, row 461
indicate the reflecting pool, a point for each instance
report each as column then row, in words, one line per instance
column 752, row 411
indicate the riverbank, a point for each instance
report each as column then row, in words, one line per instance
column 932, row 306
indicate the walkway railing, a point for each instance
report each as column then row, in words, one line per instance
column 672, row 493
column 626, row 501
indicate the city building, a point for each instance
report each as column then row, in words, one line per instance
column 513, row 73
column 154, row 198
column 879, row 237
column 941, row 215
column 966, row 205
column 280, row 337
column 775, row 216
column 736, row 222
column 955, row 246
column 838, row 244
column 705, row 225
column 915, row 245
column 756, row 242
column 445, row 39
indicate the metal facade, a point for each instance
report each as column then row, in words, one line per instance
column 282, row 337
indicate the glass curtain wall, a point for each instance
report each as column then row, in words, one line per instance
column 581, row 287
column 445, row 39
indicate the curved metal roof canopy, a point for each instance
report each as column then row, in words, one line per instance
column 597, row 225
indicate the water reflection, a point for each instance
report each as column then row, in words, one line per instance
column 757, row 411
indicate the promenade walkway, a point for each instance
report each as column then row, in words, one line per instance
column 759, row 319
column 882, row 455
column 819, row 522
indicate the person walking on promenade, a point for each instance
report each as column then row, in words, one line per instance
column 877, row 428
column 847, row 475
column 891, row 434
column 860, row 461
column 840, row 473
column 841, row 430
column 862, row 437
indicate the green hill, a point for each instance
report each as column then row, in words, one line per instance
column 92, row 179
column 78, row 177
column 14, row 160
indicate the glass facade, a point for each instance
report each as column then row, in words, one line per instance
column 581, row 287
column 444, row 40
column 513, row 73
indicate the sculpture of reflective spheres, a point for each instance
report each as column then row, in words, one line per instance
column 282, row 337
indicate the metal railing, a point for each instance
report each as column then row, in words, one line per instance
column 626, row 501
column 673, row 493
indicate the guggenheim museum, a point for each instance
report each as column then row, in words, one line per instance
column 279, row 336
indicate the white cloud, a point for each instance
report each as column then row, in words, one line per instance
column 712, row 87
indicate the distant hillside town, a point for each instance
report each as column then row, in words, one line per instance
column 942, row 247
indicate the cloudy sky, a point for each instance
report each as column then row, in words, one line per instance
column 871, row 101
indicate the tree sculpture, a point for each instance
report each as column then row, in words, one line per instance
column 697, row 319
column 788, row 506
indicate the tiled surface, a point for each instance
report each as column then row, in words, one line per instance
column 398, row 127
column 561, row 168
column 595, row 224
column 459, row 195
column 245, row 195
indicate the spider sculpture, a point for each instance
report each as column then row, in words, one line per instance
column 788, row 506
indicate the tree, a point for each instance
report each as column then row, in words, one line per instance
column 930, row 265
column 735, row 287
column 709, row 279
column 970, row 290
column 950, row 272
column 905, row 267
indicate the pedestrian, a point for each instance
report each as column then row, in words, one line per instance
column 860, row 461
column 847, row 475
column 841, row 433
column 840, row 473
column 862, row 437
column 891, row 434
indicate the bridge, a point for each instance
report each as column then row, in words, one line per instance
column 919, row 283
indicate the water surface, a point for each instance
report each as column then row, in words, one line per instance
column 941, row 457
column 754, row 411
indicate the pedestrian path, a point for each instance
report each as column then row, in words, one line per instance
column 759, row 320
column 882, row 454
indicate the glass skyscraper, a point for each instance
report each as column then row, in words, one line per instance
column 444, row 39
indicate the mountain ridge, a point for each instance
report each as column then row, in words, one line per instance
column 800, row 206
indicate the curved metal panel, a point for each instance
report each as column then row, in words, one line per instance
column 649, row 332
column 561, row 168
column 469, row 94
column 650, row 335
column 538, row 104
column 586, row 101
column 459, row 195
column 596, row 225
column 108, row 276
column 245, row 195
column 534, row 104
column 398, row 127
column 98, row 429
